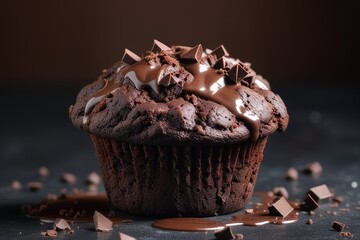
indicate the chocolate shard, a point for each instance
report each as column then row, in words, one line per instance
column 338, row 226
column 123, row 236
column 281, row 192
column 102, row 224
column 168, row 79
column 280, row 208
column 219, row 52
column 129, row 57
column 314, row 168
column 221, row 63
column 194, row 53
column 237, row 73
column 292, row 174
column 320, row 193
column 61, row 224
column 159, row 46
column 309, row 204
column 224, row 234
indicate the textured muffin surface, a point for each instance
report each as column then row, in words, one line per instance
column 179, row 95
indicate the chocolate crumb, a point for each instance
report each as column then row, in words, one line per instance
column 102, row 224
column 280, row 208
column 314, row 168
column 123, row 236
column 16, row 185
column 239, row 236
column 281, row 192
column 309, row 222
column 43, row 234
column 249, row 210
column 43, row 171
column 292, row 174
column 68, row 178
column 338, row 226
column 49, row 233
column 224, row 234
column 35, row 186
column 93, row 178
column 61, row 224
column 346, row 234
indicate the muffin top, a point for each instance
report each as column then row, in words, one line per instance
column 179, row 95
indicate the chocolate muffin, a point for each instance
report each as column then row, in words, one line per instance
column 179, row 131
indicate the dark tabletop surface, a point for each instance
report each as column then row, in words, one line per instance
column 324, row 126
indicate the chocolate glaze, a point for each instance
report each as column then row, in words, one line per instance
column 79, row 207
column 218, row 85
column 188, row 224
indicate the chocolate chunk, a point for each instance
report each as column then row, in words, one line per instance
column 61, row 224
column 43, row 171
column 224, row 234
column 309, row 204
column 102, row 224
column 239, row 236
column 338, row 199
column 194, row 53
column 220, row 52
column 159, row 46
column 236, row 73
column 309, row 222
column 280, row 208
column 16, row 185
column 221, row 63
column 93, row 178
column 320, row 192
column 338, row 226
column 35, row 186
column 168, row 79
column 68, row 178
column 314, row 168
column 346, row 234
column 129, row 57
column 281, row 192
column 292, row 174
column 123, row 236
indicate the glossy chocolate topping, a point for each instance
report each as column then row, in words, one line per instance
column 181, row 72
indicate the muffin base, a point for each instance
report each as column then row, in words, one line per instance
column 190, row 180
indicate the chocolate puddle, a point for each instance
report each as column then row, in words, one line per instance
column 79, row 207
column 188, row 224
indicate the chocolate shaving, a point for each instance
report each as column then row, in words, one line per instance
column 224, row 234
column 102, row 224
column 280, row 208
column 338, row 226
column 129, row 57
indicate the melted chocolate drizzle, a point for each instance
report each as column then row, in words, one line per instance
column 219, row 85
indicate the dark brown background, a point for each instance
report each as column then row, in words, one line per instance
column 69, row 42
